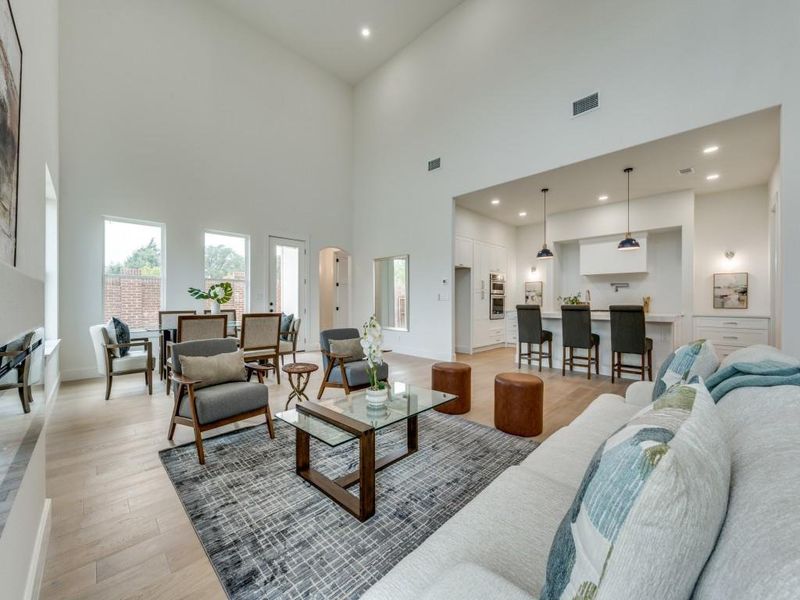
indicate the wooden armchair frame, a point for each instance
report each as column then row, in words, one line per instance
column 292, row 335
column 335, row 360
column 110, row 358
column 186, row 386
column 22, row 386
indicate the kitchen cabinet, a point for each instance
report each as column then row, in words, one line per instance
column 463, row 252
column 731, row 333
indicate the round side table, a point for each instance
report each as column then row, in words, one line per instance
column 299, row 374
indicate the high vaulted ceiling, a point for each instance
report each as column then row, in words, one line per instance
column 328, row 32
column 748, row 154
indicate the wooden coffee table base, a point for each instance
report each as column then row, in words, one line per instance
column 362, row 506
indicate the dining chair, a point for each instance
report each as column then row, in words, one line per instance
column 168, row 326
column 628, row 336
column 19, row 376
column 576, row 333
column 260, row 339
column 289, row 345
column 194, row 328
column 529, row 331
column 233, row 329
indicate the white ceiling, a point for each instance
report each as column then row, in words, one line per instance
column 748, row 153
column 328, row 32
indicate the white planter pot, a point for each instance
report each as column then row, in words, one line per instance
column 215, row 308
column 377, row 397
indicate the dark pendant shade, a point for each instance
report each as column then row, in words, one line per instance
column 545, row 252
column 628, row 243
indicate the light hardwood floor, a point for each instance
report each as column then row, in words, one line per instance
column 119, row 530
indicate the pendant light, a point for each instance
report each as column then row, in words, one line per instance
column 545, row 252
column 629, row 243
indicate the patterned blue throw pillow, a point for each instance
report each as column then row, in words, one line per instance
column 697, row 358
column 647, row 514
column 123, row 335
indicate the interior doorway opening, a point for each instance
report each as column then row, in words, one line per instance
column 334, row 289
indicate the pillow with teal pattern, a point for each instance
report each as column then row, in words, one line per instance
column 697, row 358
column 647, row 514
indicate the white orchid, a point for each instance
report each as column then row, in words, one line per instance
column 372, row 344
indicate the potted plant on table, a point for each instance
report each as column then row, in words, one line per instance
column 372, row 344
column 220, row 293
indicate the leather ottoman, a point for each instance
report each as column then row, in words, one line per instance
column 453, row 378
column 518, row 404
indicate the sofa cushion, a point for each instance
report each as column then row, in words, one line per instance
column 565, row 455
column 697, row 358
column 654, row 494
column 468, row 581
column 506, row 529
column 759, row 353
column 357, row 373
column 758, row 551
column 225, row 400
column 213, row 370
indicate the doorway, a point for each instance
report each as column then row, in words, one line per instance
column 334, row 289
column 287, row 281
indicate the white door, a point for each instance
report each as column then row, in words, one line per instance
column 341, row 277
column 287, row 281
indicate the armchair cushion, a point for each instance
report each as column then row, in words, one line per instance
column 135, row 360
column 357, row 373
column 225, row 400
column 201, row 348
column 111, row 337
column 350, row 348
column 286, row 346
column 213, row 370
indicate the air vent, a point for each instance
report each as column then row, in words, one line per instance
column 434, row 164
column 586, row 104
column 686, row 171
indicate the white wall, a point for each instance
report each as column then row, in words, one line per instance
column 488, row 89
column 23, row 287
column 177, row 112
column 737, row 220
column 775, row 270
column 469, row 224
column 327, row 289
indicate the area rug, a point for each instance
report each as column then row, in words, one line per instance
column 269, row 534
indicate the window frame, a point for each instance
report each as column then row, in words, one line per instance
column 246, row 239
column 163, row 288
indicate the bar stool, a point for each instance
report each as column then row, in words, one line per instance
column 576, row 332
column 529, row 325
column 628, row 337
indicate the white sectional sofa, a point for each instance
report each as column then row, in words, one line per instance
column 497, row 546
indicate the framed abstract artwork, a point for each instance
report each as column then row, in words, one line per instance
column 10, row 101
column 730, row 290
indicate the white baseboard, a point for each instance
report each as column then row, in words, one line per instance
column 76, row 374
column 463, row 350
column 33, row 584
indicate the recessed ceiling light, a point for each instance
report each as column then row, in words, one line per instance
column 710, row 149
column 712, row 177
column 602, row 198
column 495, row 201
column 523, row 214
column 365, row 32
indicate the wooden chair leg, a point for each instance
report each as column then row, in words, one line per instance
column 540, row 357
column 563, row 361
column 550, row 353
column 643, row 366
column 198, row 440
column 589, row 363
column 108, row 385
column 597, row 359
column 270, row 425
column 613, row 365
column 294, row 357
column 650, row 364
column 519, row 354
column 571, row 359
column 277, row 371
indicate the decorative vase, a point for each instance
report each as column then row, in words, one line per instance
column 377, row 397
column 215, row 308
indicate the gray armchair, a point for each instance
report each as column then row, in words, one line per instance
column 214, row 406
column 344, row 371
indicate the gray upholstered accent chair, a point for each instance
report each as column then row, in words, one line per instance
column 344, row 372
column 139, row 358
column 576, row 332
column 18, row 377
column 628, row 337
column 289, row 345
column 260, row 339
column 529, row 327
column 214, row 406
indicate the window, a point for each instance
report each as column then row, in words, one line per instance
column 226, row 260
column 133, row 281
column 391, row 292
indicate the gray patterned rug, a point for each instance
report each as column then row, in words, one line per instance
column 269, row 534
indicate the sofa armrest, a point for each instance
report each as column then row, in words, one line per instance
column 639, row 393
column 467, row 581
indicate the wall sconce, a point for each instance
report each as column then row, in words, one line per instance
column 533, row 269
column 729, row 254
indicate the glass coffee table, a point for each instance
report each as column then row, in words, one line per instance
column 342, row 420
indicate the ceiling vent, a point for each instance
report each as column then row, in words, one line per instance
column 686, row 171
column 434, row 164
column 586, row 104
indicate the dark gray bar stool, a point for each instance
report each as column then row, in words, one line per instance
column 529, row 324
column 628, row 337
column 576, row 332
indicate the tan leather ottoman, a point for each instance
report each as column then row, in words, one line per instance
column 453, row 378
column 518, row 404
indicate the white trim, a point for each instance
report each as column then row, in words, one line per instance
column 36, row 570
column 77, row 374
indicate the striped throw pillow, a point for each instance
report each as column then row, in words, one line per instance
column 651, row 504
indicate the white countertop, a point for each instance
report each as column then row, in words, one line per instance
column 604, row 315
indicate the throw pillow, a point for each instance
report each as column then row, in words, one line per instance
column 286, row 324
column 651, row 504
column 214, row 370
column 351, row 348
column 112, row 336
column 698, row 358
column 123, row 335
